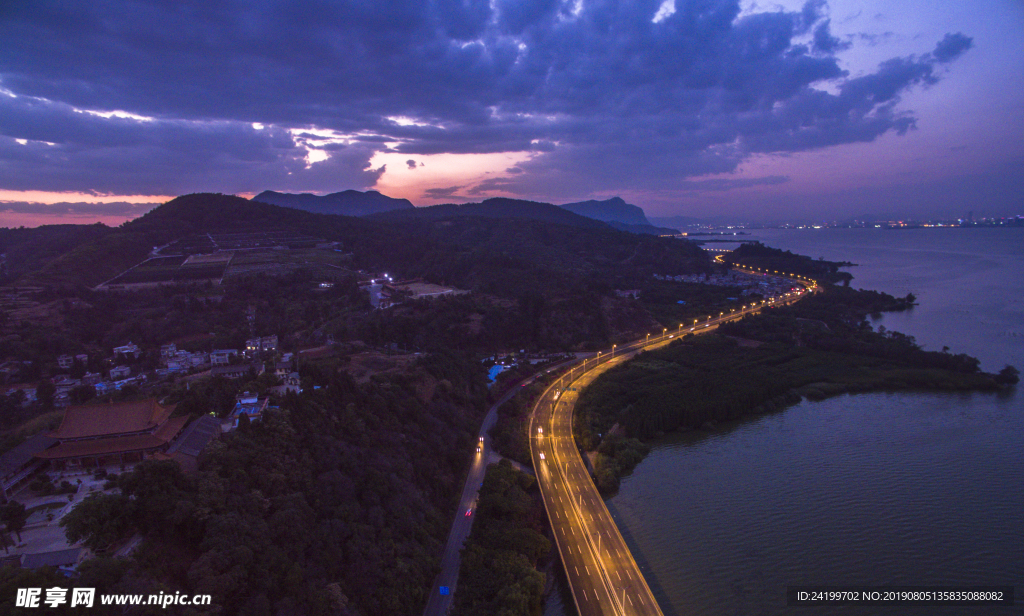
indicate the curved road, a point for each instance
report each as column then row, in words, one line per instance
column 602, row 574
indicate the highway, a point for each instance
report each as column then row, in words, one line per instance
column 603, row 576
column 451, row 559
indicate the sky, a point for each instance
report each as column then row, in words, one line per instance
column 727, row 109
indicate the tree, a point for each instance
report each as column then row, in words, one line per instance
column 14, row 516
column 82, row 394
column 98, row 521
column 6, row 542
column 1008, row 376
column 44, row 393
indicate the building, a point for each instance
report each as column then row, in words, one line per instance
column 65, row 361
column 168, row 351
column 222, row 357
column 283, row 369
column 255, row 346
column 128, row 349
column 101, row 434
column 120, row 372
column 18, row 465
column 191, row 442
column 247, row 404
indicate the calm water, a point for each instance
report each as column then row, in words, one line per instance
column 880, row 489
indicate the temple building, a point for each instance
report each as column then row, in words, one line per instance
column 113, row 433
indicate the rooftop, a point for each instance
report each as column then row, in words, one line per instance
column 97, row 420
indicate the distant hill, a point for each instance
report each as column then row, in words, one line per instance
column 345, row 203
column 504, row 247
column 609, row 210
column 25, row 250
column 499, row 207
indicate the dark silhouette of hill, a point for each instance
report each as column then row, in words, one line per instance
column 609, row 210
column 619, row 214
column 501, row 246
column 499, row 207
column 26, row 250
column 345, row 203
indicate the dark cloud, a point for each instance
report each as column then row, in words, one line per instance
column 596, row 96
column 824, row 42
column 951, row 46
column 411, row 163
column 441, row 193
column 722, row 184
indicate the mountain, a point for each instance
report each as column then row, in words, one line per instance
column 498, row 207
column 346, row 203
column 609, row 210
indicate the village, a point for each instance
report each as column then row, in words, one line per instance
column 113, row 417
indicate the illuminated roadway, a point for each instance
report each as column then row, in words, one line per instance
column 603, row 576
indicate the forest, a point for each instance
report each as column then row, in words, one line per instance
column 756, row 254
column 337, row 503
column 498, row 575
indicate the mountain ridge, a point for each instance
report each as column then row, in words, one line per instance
column 344, row 203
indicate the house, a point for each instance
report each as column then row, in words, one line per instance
column 27, row 390
column 236, row 372
column 222, row 357
column 65, row 361
column 65, row 385
column 19, row 464
column 247, row 404
column 282, row 369
column 254, row 346
column 128, row 349
column 120, row 372
column 91, row 378
column 628, row 293
column 103, row 434
column 82, row 358
column 168, row 351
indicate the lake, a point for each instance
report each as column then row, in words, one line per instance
column 872, row 489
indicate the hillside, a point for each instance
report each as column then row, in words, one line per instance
column 345, row 203
column 26, row 250
column 500, row 246
column 103, row 258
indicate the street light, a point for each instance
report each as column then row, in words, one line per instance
column 613, row 350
